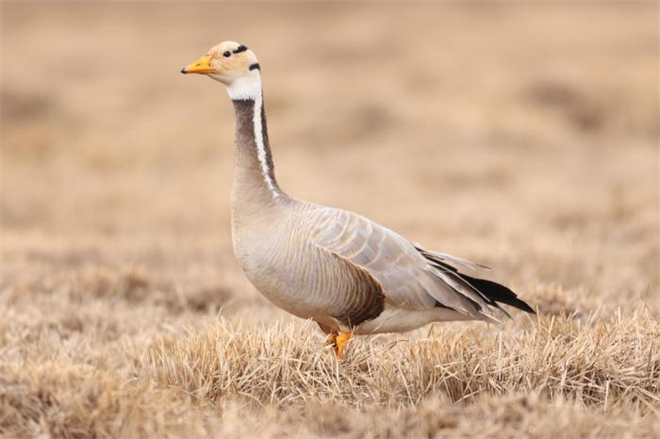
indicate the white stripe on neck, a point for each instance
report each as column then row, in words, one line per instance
column 261, row 148
column 249, row 88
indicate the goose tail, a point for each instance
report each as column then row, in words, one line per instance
column 491, row 292
column 498, row 293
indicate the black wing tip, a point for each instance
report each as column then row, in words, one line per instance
column 523, row 306
column 498, row 293
column 492, row 292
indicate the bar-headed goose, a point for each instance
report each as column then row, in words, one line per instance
column 342, row 270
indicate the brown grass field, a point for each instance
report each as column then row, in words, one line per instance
column 520, row 135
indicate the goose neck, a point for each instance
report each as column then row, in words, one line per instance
column 254, row 177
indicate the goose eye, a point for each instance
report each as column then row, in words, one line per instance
column 227, row 54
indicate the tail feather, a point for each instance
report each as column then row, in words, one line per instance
column 498, row 293
column 492, row 292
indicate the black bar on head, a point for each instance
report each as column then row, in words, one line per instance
column 240, row 49
column 255, row 66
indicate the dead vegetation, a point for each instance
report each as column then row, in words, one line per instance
column 602, row 363
column 498, row 133
column 457, row 382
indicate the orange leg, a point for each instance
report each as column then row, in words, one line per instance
column 341, row 342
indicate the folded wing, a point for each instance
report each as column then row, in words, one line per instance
column 409, row 275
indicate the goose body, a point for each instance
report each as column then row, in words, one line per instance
column 346, row 272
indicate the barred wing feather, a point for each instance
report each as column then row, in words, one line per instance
column 406, row 277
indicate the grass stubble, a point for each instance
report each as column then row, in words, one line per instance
column 536, row 377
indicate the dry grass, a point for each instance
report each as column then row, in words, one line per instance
column 465, row 382
column 598, row 363
column 524, row 136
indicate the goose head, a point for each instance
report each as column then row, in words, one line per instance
column 232, row 64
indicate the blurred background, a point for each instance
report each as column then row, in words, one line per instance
column 523, row 136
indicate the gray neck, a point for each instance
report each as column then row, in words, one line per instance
column 254, row 177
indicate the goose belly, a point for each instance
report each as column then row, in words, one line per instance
column 291, row 281
column 295, row 291
column 401, row 319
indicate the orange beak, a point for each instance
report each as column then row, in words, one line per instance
column 202, row 66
